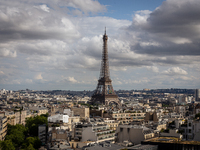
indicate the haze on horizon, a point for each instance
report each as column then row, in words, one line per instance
column 53, row 45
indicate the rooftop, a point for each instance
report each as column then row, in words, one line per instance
column 171, row 140
column 142, row 147
column 103, row 146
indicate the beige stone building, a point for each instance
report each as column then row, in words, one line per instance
column 84, row 113
column 58, row 134
column 126, row 118
column 91, row 132
column 3, row 126
column 18, row 117
column 112, row 124
column 11, row 118
column 39, row 110
column 72, row 121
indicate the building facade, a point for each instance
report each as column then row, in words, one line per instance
column 197, row 95
column 126, row 118
column 97, row 133
column 133, row 133
column 3, row 126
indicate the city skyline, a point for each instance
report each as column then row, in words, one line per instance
column 58, row 44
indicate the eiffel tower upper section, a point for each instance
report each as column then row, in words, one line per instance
column 104, row 93
column 104, row 73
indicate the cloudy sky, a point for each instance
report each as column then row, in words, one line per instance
column 57, row 44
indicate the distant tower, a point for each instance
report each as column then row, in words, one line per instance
column 104, row 93
column 197, row 95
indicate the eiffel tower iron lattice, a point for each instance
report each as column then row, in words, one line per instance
column 104, row 93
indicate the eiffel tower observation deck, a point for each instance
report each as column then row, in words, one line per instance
column 104, row 93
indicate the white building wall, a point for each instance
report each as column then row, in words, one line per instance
column 58, row 118
column 65, row 118
column 67, row 112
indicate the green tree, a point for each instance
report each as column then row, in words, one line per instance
column 162, row 130
column 30, row 147
column 17, row 137
column 33, row 141
column 7, row 145
column 32, row 124
column 45, row 115
column 16, row 134
column 18, row 127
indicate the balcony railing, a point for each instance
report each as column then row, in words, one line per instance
column 104, row 130
column 105, row 133
column 106, row 137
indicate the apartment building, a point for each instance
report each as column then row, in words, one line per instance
column 126, row 118
column 133, row 133
column 83, row 112
column 191, row 129
column 39, row 110
column 42, row 133
column 93, row 132
column 64, row 120
column 3, row 126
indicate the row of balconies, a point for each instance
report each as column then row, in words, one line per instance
column 42, row 131
column 126, row 116
column 100, row 129
column 130, row 118
column 105, row 134
column 103, row 130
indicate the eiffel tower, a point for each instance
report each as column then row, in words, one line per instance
column 104, row 93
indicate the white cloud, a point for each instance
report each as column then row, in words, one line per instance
column 7, row 53
column 29, row 81
column 44, row 8
column 140, row 17
column 16, row 81
column 1, row 72
column 86, row 6
column 139, row 81
column 153, row 68
column 175, row 71
column 186, row 78
column 178, row 40
column 72, row 80
column 39, row 76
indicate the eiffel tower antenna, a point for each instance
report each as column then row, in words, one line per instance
column 104, row 93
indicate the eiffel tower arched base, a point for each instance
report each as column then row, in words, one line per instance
column 105, row 99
